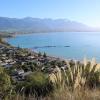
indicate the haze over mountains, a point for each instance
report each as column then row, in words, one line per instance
column 29, row 24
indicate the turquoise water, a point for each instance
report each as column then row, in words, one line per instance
column 82, row 44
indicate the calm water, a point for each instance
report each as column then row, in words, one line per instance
column 82, row 44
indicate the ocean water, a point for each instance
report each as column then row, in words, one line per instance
column 68, row 45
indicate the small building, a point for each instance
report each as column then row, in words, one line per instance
column 19, row 72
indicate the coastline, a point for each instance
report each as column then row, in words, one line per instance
column 49, row 56
column 77, row 52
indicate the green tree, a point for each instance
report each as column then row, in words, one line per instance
column 1, row 69
column 36, row 84
column 0, row 39
column 44, row 55
column 39, row 54
column 5, row 83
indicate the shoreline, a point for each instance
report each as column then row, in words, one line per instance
column 14, row 34
column 35, row 49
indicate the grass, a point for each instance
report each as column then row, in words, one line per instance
column 80, row 81
column 76, row 95
column 86, row 94
column 78, row 75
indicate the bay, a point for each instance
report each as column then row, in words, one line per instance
column 67, row 45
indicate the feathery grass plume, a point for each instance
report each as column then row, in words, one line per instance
column 82, row 74
column 70, row 71
column 93, row 63
column 85, row 61
column 56, row 78
column 77, row 75
column 58, row 74
column 97, row 67
column 53, row 78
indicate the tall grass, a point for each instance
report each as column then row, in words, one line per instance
column 78, row 81
column 77, row 75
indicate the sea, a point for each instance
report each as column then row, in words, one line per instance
column 67, row 45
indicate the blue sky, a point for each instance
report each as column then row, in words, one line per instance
column 85, row 11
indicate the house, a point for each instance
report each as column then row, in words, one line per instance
column 7, row 65
column 0, row 61
column 31, row 57
column 13, row 62
column 8, row 60
column 26, row 73
column 3, row 55
column 3, row 64
column 19, row 72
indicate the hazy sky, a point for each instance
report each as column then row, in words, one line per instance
column 85, row 11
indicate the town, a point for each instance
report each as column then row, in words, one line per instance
column 21, row 62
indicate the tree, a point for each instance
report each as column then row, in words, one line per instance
column 44, row 55
column 0, row 39
column 39, row 54
column 1, row 69
column 36, row 84
column 5, row 83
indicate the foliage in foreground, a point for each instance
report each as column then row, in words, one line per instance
column 5, row 83
column 79, row 81
column 77, row 75
column 36, row 84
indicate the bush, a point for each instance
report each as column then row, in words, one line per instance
column 36, row 84
column 5, row 83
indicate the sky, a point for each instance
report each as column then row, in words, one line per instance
column 84, row 11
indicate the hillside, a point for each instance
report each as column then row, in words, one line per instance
column 6, row 34
column 29, row 24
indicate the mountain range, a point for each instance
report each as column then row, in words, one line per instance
column 29, row 24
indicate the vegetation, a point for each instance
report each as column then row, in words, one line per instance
column 36, row 84
column 5, row 83
column 44, row 55
column 77, row 81
column 0, row 40
column 25, row 75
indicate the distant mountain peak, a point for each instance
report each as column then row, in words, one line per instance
column 29, row 24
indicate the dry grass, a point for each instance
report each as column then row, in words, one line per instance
column 76, row 95
column 75, row 83
column 77, row 75
column 67, row 95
